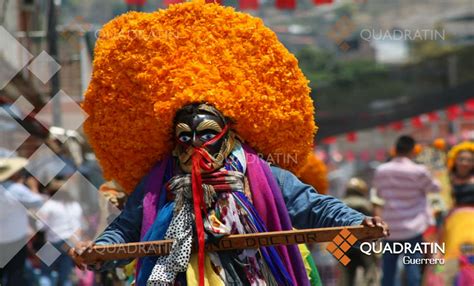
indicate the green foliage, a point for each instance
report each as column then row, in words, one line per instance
column 323, row 69
column 340, row 86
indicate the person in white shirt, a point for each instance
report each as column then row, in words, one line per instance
column 62, row 218
column 15, row 200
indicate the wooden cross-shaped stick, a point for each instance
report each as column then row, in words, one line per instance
column 100, row 253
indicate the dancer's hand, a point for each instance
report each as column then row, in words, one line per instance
column 76, row 254
column 376, row 221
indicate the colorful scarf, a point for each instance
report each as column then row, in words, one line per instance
column 269, row 210
column 180, row 229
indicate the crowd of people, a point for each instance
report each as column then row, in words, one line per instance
column 39, row 223
column 406, row 194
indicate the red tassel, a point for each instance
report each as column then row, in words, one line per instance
column 201, row 160
column 198, row 202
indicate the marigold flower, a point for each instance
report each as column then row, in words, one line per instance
column 315, row 173
column 149, row 65
column 440, row 144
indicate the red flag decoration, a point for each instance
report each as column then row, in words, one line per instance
column 351, row 137
column 417, row 122
column 397, row 126
column 329, row 140
column 322, row 2
column 248, row 4
column 285, row 4
column 135, row 2
column 468, row 115
column 453, row 112
column 350, row 156
column 433, row 116
column 169, row 2
column 469, row 105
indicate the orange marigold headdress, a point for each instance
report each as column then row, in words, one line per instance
column 149, row 65
column 453, row 153
column 315, row 173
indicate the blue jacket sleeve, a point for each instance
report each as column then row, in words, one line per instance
column 308, row 209
column 126, row 227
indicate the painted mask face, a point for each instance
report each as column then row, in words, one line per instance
column 201, row 126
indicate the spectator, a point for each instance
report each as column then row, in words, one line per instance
column 357, row 198
column 62, row 217
column 15, row 199
column 404, row 185
column 460, row 165
column 461, row 173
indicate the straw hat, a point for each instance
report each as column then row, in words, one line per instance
column 357, row 185
column 10, row 166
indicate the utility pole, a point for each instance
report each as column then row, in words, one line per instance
column 52, row 44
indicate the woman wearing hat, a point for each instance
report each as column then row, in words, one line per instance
column 15, row 199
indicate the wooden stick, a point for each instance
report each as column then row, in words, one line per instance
column 238, row 241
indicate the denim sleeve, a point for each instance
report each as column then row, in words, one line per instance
column 126, row 227
column 308, row 209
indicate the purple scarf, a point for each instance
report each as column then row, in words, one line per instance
column 151, row 198
column 267, row 199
